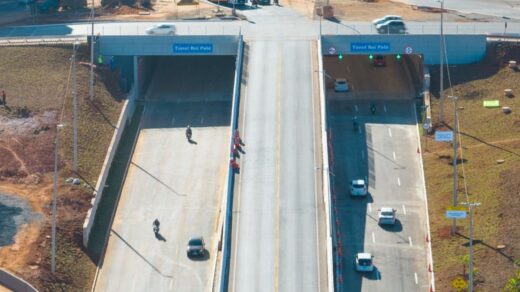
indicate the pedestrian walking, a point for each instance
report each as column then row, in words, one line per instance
column 3, row 98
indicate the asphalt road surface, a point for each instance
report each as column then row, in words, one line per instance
column 178, row 182
column 278, row 209
column 383, row 151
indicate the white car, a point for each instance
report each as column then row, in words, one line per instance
column 161, row 29
column 358, row 187
column 341, row 85
column 391, row 26
column 386, row 18
column 364, row 262
column 386, row 216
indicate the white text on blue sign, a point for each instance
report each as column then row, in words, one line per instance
column 193, row 48
column 443, row 136
column 369, row 47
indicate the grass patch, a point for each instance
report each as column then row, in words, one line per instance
column 487, row 135
column 38, row 78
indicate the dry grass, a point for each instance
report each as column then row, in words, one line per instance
column 487, row 135
column 38, row 78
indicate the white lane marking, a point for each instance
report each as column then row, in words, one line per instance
column 398, row 182
column 384, row 108
column 404, row 210
column 369, row 208
column 389, row 132
column 356, row 108
column 362, row 154
column 373, row 237
column 393, row 154
column 410, row 240
column 416, row 280
column 171, row 285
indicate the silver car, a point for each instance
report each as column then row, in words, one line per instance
column 161, row 29
column 386, row 18
column 386, row 216
column 391, row 26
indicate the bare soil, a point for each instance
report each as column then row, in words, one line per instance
column 487, row 135
column 37, row 83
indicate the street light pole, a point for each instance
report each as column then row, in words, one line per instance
column 471, row 205
column 455, row 174
column 75, row 109
column 441, row 65
column 54, row 198
column 91, row 81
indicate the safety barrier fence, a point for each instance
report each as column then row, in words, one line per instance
column 229, row 194
column 41, row 40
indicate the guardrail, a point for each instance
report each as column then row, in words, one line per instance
column 41, row 40
column 331, row 239
column 227, row 228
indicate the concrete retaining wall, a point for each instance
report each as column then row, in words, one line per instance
column 460, row 49
column 125, row 116
column 14, row 283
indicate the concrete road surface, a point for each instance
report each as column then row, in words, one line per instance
column 382, row 151
column 178, row 182
column 277, row 244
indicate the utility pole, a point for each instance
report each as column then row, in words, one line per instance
column 54, row 198
column 471, row 205
column 441, row 65
column 75, row 109
column 455, row 174
column 92, row 42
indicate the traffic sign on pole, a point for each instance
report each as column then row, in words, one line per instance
column 408, row 50
column 332, row 50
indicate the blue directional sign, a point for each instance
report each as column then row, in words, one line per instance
column 369, row 47
column 193, row 48
column 455, row 214
column 444, row 136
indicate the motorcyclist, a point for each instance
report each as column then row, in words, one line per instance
column 188, row 132
column 156, row 225
column 373, row 108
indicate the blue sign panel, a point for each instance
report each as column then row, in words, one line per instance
column 369, row 47
column 193, row 48
column 443, row 136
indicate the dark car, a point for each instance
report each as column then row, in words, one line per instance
column 379, row 61
column 195, row 246
column 391, row 26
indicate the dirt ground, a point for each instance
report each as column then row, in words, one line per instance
column 37, row 83
column 488, row 136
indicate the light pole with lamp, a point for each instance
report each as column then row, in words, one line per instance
column 455, row 173
column 441, row 65
column 54, row 198
column 91, row 81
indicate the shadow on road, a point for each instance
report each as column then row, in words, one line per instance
column 139, row 254
column 160, row 237
column 157, row 179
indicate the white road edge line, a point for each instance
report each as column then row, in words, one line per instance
column 404, row 210
column 398, row 181
column 410, row 240
column 384, row 107
column 393, row 154
column 390, row 132
column 369, row 205
column 373, row 237
column 171, row 285
column 416, row 280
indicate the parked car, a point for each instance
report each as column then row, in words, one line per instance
column 386, row 18
column 358, row 187
column 196, row 246
column 364, row 262
column 391, row 26
column 386, row 216
column 341, row 85
column 379, row 61
column 161, row 29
